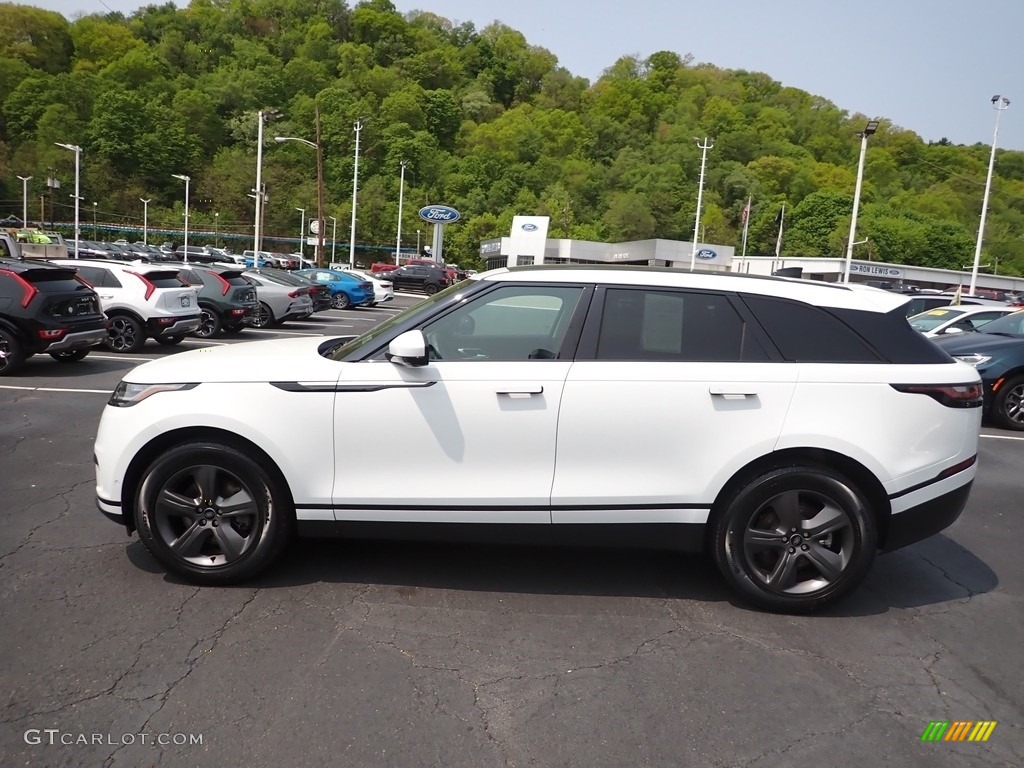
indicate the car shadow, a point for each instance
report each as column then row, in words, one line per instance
column 932, row 572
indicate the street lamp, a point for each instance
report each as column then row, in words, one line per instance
column 704, row 147
column 869, row 129
column 78, row 162
column 318, row 249
column 216, row 229
column 24, row 199
column 334, row 237
column 401, row 192
column 355, row 187
column 145, row 221
column 999, row 104
column 186, row 179
column 94, row 204
column 260, row 193
column 418, row 242
column 302, row 231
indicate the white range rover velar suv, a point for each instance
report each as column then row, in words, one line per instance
column 788, row 428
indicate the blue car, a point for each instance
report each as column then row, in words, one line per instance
column 346, row 290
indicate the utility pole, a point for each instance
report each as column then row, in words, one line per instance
column 704, row 147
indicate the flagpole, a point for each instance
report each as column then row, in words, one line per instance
column 746, row 228
column 778, row 240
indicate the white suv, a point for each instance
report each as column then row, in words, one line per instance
column 140, row 301
column 777, row 424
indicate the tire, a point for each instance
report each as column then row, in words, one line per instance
column 766, row 546
column 263, row 317
column 12, row 356
column 169, row 341
column 125, row 334
column 340, row 301
column 430, row 289
column 209, row 323
column 70, row 356
column 212, row 514
column 1008, row 405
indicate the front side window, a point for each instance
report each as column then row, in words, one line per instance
column 508, row 323
column 670, row 325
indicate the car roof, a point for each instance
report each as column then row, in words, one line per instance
column 835, row 295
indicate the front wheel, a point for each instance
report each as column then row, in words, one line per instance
column 1008, row 405
column 212, row 513
column 794, row 539
column 430, row 289
column 11, row 354
column 70, row 356
column 340, row 301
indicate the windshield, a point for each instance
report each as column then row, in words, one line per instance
column 933, row 318
column 1012, row 324
column 341, row 351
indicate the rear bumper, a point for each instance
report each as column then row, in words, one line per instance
column 79, row 340
column 926, row 519
column 181, row 326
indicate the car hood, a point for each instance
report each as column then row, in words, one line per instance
column 962, row 343
column 250, row 361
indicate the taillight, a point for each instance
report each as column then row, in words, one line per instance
column 225, row 286
column 28, row 291
column 149, row 286
column 294, row 294
column 949, row 395
column 52, row 334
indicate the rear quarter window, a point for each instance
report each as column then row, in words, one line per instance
column 808, row 334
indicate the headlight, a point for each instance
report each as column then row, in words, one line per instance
column 974, row 359
column 126, row 393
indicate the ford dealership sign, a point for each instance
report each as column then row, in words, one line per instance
column 439, row 214
column 706, row 254
column 529, row 227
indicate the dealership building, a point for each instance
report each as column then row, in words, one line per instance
column 528, row 244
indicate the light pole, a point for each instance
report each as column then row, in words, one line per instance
column 24, row 199
column 334, row 237
column 417, row 242
column 270, row 114
column 302, row 231
column 704, row 147
column 355, row 188
column 398, row 239
column 869, row 129
column 186, row 179
column 94, row 204
column 318, row 249
column 216, row 229
column 145, row 221
column 999, row 104
column 78, row 163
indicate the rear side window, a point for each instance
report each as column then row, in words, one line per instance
column 647, row 324
column 807, row 334
column 99, row 277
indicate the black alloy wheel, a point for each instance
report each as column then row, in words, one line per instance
column 212, row 513
column 125, row 334
column 11, row 354
column 794, row 539
column 430, row 289
column 1008, row 405
column 209, row 323
column 263, row 317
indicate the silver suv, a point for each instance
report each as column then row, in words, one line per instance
column 140, row 301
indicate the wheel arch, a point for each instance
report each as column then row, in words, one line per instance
column 126, row 312
column 148, row 453
column 865, row 480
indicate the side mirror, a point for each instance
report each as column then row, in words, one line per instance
column 408, row 349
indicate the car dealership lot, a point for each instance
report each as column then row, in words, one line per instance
column 368, row 654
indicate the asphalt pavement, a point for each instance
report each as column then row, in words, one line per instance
column 398, row 654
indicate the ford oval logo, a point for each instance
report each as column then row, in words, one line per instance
column 706, row 253
column 439, row 214
column 528, row 227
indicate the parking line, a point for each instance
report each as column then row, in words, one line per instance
column 55, row 389
column 1003, row 437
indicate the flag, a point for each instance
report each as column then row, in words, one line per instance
column 956, row 296
column 780, row 220
column 746, row 211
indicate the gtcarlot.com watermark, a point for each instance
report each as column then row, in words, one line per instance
column 56, row 736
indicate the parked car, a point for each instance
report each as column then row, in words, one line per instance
column 266, row 258
column 921, row 302
column 383, row 290
column 346, row 290
column 279, row 302
column 197, row 253
column 962, row 318
column 418, row 277
column 43, row 308
column 140, row 301
column 227, row 301
column 319, row 293
column 713, row 386
column 997, row 351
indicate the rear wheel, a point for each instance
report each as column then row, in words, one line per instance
column 430, row 289
column 169, row 341
column 340, row 301
column 212, row 513
column 263, row 317
column 794, row 539
column 125, row 334
column 209, row 323
column 11, row 354
column 70, row 356
column 1008, row 405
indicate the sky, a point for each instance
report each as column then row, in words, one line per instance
column 930, row 66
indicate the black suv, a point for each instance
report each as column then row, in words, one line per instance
column 227, row 301
column 417, row 277
column 43, row 308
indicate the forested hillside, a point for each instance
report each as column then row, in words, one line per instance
column 487, row 123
